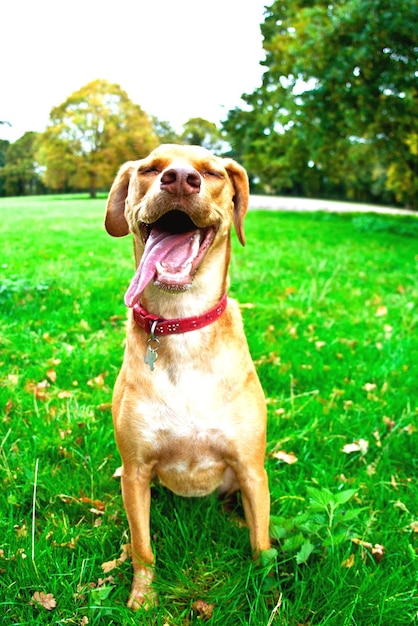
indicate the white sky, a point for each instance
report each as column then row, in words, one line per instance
column 177, row 59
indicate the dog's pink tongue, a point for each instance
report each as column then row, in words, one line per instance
column 168, row 249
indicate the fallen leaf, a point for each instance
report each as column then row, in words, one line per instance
column 38, row 389
column 350, row 343
column 280, row 411
column 46, row 600
column 371, row 469
column 97, row 504
column 360, row 445
column 369, row 387
column 54, row 362
column 9, row 406
column 393, row 482
column 414, row 527
column 285, row 457
column 349, row 562
column 21, row 530
column 52, row 375
column 204, row 609
column 125, row 554
column 84, row 325
column 64, row 394
column 84, row 621
column 389, row 423
column 377, row 549
column 97, row 381
column 96, row 511
column 64, row 433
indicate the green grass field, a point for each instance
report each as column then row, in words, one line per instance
column 330, row 305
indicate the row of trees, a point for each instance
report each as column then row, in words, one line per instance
column 337, row 112
column 88, row 137
column 335, row 116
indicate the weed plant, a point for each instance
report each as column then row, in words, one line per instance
column 330, row 309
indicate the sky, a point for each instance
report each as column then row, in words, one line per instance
column 177, row 59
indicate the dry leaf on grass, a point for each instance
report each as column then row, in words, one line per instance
column 97, row 381
column 125, row 554
column 360, row 445
column 46, row 600
column 349, row 562
column 377, row 550
column 52, row 375
column 64, row 394
column 369, row 387
column 39, row 390
column 285, row 457
column 204, row 609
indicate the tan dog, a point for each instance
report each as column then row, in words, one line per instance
column 195, row 417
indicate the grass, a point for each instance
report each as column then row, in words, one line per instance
column 330, row 308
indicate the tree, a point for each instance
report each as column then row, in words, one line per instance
column 90, row 134
column 164, row 131
column 20, row 172
column 200, row 132
column 340, row 80
column 4, row 144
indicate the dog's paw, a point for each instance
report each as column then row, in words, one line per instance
column 140, row 600
column 142, row 595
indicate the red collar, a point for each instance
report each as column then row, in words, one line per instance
column 178, row 325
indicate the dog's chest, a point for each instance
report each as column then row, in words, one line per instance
column 196, row 417
column 187, row 430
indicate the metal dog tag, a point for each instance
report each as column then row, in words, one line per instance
column 150, row 357
column 151, row 353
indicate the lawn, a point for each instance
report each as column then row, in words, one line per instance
column 330, row 304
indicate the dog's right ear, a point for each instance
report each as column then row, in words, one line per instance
column 115, row 221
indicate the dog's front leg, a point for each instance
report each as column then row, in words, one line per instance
column 256, row 502
column 136, row 494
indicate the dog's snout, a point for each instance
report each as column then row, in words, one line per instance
column 181, row 181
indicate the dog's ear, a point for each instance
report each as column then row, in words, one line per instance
column 239, row 179
column 115, row 221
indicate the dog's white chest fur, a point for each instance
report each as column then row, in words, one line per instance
column 187, row 433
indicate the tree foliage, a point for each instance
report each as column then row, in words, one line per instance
column 200, row 132
column 337, row 106
column 19, row 172
column 197, row 131
column 90, row 134
column 4, row 144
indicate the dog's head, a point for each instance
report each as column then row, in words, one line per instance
column 179, row 203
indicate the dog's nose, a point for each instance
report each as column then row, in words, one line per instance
column 181, row 181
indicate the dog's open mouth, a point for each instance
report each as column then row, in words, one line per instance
column 174, row 249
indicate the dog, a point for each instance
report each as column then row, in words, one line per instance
column 188, row 408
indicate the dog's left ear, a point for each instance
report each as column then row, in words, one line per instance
column 239, row 179
column 115, row 221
